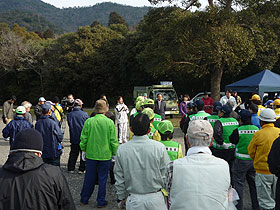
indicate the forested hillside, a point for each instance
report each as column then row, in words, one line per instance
column 68, row 19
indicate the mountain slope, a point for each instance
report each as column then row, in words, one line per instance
column 71, row 18
column 31, row 21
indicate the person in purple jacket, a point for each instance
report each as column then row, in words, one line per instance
column 183, row 105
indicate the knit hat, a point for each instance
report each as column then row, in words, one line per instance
column 78, row 102
column 46, row 107
column 200, row 129
column 100, row 107
column 20, row 110
column 164, row 126
column 28, row 140
column 149, row 112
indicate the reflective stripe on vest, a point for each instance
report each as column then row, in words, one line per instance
column 157, row 119
column 242, row 155
column 247, row 131
column 212, row 120
column 229, row 123
column 224, row 146
column 172, row 149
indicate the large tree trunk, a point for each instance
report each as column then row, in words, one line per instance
column 216, row 77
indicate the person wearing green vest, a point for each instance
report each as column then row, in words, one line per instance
column 243, row 166
column 153, row 134
column 149, row 103
column 166, row 130
column 198, row 114
column 214, row 117
column 223, row 128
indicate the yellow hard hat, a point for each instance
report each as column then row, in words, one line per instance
column 255, row 97
column 149, row 112
column 276, row 102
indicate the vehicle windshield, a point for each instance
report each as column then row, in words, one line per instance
column 167, row 95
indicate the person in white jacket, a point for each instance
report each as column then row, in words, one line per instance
column 206, row 178
column 121, row 111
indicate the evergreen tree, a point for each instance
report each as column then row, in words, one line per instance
column 115, row 18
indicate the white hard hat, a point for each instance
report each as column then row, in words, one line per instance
column 268, row 115
column 21, row 110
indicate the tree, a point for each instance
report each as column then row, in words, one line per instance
column 115, row 18
column 48, row 34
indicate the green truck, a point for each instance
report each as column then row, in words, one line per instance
column 168, row 94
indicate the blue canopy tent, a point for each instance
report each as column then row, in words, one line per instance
column 263, row 82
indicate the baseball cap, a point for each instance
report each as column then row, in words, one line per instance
column 200, row 129
column 46, row 106
column 245, row 114
column 269, row 102
column 267, row 115
column 20, row 110
column 225, row 109
column 164, row 126
column 276, row 102
column 149, row 112
column 42, row 99
column 255, row 97
column 78, row 102
column 199, row 104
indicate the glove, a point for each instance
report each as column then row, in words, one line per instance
column 121, row 204
column 84, row 156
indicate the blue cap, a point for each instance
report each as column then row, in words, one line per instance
column 269, row 102
column 245, row 114
column 199, row 104
column 225, row 109
column 46, row 106
column 190, row 105
column 217, row 103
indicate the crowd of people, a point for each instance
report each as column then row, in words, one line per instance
column 224, row 145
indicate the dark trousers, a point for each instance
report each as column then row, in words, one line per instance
column 227, row 155
column 73, row 156
column 186, row 145
column 277, row 199
column 52, row 161
column 241, row 170
column 94, row 169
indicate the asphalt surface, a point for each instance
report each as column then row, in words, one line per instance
column 75, row 180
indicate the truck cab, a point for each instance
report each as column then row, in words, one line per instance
column 167, row 91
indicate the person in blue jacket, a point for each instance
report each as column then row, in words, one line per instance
column 255, row 118
column 52, row 136
column 16, row 125
column 76, row 120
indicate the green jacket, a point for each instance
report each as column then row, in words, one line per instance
column 98, row 138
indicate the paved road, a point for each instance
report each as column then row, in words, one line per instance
column 75, row 181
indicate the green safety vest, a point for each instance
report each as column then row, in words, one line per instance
column 229, row 125
column 246, row 133
column 172, row 149
column 212, row 119
column 152, row 132
column 135, row 114
column 199, row 116
column 156, row 121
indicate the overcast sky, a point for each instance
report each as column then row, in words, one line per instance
column 73, row 3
